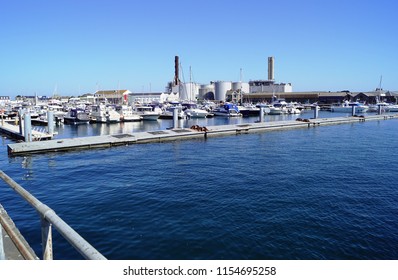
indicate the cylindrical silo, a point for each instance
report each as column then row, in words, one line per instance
column 236, row 86
column 221, row 89
column 205, row 91
column 240, row 86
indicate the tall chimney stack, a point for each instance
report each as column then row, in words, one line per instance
column 271, row 68
column 176, row 71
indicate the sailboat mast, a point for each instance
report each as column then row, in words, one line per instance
column 190, row 83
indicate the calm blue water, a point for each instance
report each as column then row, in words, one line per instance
column 327, row 192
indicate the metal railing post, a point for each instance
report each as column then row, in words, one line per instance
column 46, row 239
column 2, row 254
column 47, row 214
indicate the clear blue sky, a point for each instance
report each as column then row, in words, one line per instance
column 77, row 46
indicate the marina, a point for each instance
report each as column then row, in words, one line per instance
column 175, row 134
column 143, row 179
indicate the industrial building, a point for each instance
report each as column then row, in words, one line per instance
column 220, row 90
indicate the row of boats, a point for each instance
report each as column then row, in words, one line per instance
column 107, row 113
column 110, row 113
column 347, row 107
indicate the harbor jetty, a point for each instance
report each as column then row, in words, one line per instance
column 106, row 141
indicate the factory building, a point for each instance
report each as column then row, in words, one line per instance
column 226, row 90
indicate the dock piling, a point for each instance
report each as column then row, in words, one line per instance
column 379, row 109
column 352, row 110
column 261, row 114
column 175, row 117
column 50, row 122
column 20, row 121
column 316, row 111
column 27, row 128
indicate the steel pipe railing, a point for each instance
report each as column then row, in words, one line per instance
column 48, row 219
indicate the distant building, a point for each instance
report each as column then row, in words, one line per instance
column 4, row 100
column 322, row 97
column 269, row 86
column 152, row 97
column 112, row 96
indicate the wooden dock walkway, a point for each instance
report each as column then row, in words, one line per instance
column 175, row 134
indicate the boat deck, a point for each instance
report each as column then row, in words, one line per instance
column 105, row 141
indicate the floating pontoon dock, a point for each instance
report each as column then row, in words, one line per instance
column 14, row 132
column 176, row 134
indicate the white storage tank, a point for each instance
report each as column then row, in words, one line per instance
column 237, row 86
column 221, row 89
column 205, row 91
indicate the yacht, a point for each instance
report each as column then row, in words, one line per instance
column 148, row 113
column 248, row 110
column 278, row 108
column 76, row 116
column 168, row 111
column 346, row 107
column 227, row 110
column 104, row 114
column 127, row 114
column 191, row 110
column 385, row 107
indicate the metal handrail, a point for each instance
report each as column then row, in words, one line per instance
column 48, row 218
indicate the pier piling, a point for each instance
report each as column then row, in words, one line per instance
column 50, row 122
column 352, row 110
column 261, row 114
column 379, row 109
column 175, row 117
column 316, row 111
column 20, row 121
column 27, row 128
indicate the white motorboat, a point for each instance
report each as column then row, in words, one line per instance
column 393, row 108
column 76, row 116
column 104, row 114
column 346, row 107
column 278, row 108
column 168, row 111
column 227, row 110
column 191, row 110
column 148, row 113
column 127, row 114
column 385, row 107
